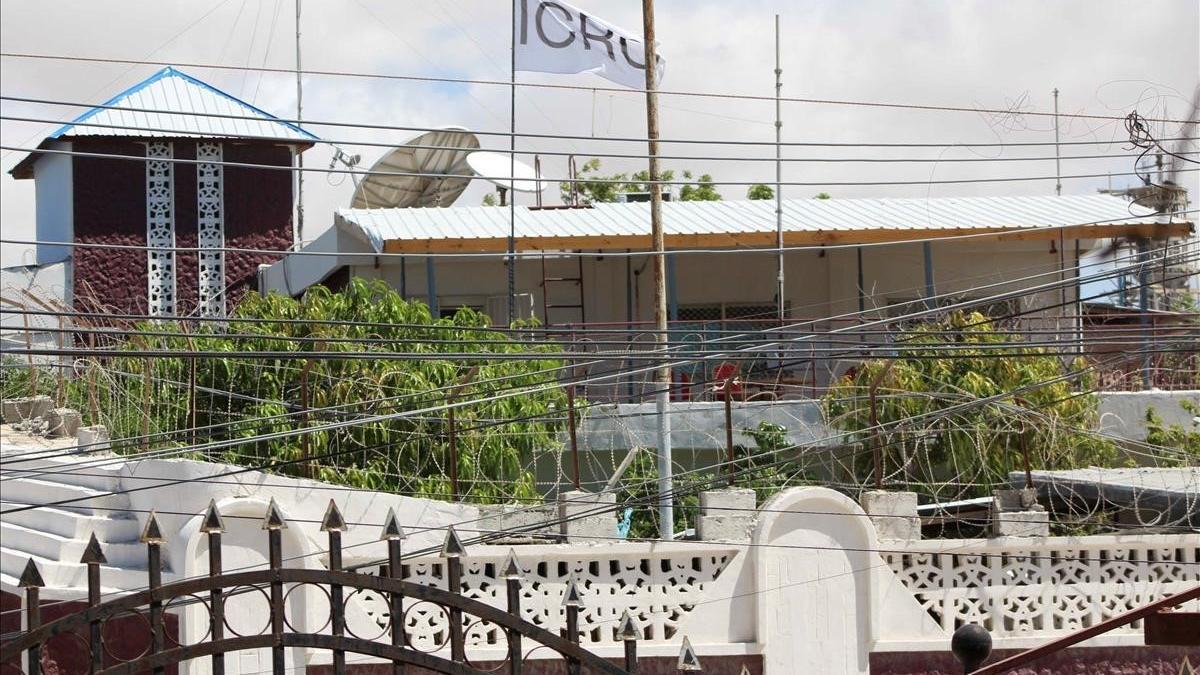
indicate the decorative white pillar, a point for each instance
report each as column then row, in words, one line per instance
column 160, row 229
column 210, row 229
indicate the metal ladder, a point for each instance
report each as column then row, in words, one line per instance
column 548, row 283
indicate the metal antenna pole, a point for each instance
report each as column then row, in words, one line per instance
column 298, row 231
column 1057, row 157
column 662, row 401
column 512, row 173
column 778, row 174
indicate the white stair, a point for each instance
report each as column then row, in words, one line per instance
column 71, row 498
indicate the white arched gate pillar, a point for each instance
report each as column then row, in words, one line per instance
column 814, row 560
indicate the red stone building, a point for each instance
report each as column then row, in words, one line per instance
column 169, row 165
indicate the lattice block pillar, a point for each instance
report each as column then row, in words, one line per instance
column 160, row 229
column 210, row 206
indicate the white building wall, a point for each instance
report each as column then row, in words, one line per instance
column 54, row 204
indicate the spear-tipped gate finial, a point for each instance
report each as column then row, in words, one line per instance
column 573, row 595
column 452, row 547
column 92, row 553
column 333, row 520
column 273, row 520
column 512, row 567
column 628, row 629
column 31, row 577
column 212, row 523
column 152, row 533
column 688, row 661
column 391, row 528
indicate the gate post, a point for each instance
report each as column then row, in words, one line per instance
column 452, row 551
column 274, row 524
column 153, row 538
column 627, row 631
column 31, row 581
column 394, row 534
column 512, row 579
column 572, row 601
column 93, row 556
column 212, row 526
column 334, row 524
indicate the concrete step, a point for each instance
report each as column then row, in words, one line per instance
column 64, row 576
column 108, row 526
column 130, row 555
column 81, row 499
column 98, row 472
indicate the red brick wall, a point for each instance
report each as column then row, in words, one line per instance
column 1078, row 661
column 125, row 637
column 110, row 208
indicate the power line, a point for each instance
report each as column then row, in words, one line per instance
column 575, row 153
column 562, row 137
column 615, row 90
column 363, row 172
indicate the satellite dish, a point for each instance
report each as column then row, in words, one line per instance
column 440, row 157
column 505, row 173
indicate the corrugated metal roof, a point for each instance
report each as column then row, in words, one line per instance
column 747, row 219
column 183, row 104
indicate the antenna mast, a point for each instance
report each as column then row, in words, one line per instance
column 298, row 231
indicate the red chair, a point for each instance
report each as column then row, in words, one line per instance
column 682, row 391
column 726, row 382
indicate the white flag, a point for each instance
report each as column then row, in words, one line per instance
column 554, row 37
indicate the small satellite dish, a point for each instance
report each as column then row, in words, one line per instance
column 440, row 157
column 504, row 173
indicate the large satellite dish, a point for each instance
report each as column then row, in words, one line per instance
column 505, row 173
column 440, row 157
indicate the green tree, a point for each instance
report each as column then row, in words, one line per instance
column 823, row 195
column 384, row 444
column 760, row 191
column 594, row 187
column 489, row 200
column 935, row 431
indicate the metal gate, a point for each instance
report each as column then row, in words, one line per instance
column 277, row 583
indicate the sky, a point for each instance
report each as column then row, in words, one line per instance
column 1107, row 57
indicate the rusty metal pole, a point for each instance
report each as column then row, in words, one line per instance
column 216, row 600
column 454, row 585
column 729, row 429
column 274, row 524
column 147, row 388
column 876, row 450
column 333, row 524
column 153, row 538
column 93, row 557
column 31, row 581
column 571, row 432
column 395, row 570
column 452, row 441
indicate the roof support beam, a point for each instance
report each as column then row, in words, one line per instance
column 766, row 240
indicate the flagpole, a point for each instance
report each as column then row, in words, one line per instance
column 512, row 172
column 779, row 176
column 662, row 401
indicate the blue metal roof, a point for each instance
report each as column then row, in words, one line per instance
column 182, row 106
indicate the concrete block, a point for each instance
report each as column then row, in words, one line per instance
column 587, row 518
column 728, row 514
column 19, row 409
column 1024, row 499
column 1021, row 524
column 728, row 502
column 739, row 528
column 93, row 439
column 519, row 523
column 63, row 422
column 894, row 514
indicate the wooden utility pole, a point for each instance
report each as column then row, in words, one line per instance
column 662, row 401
